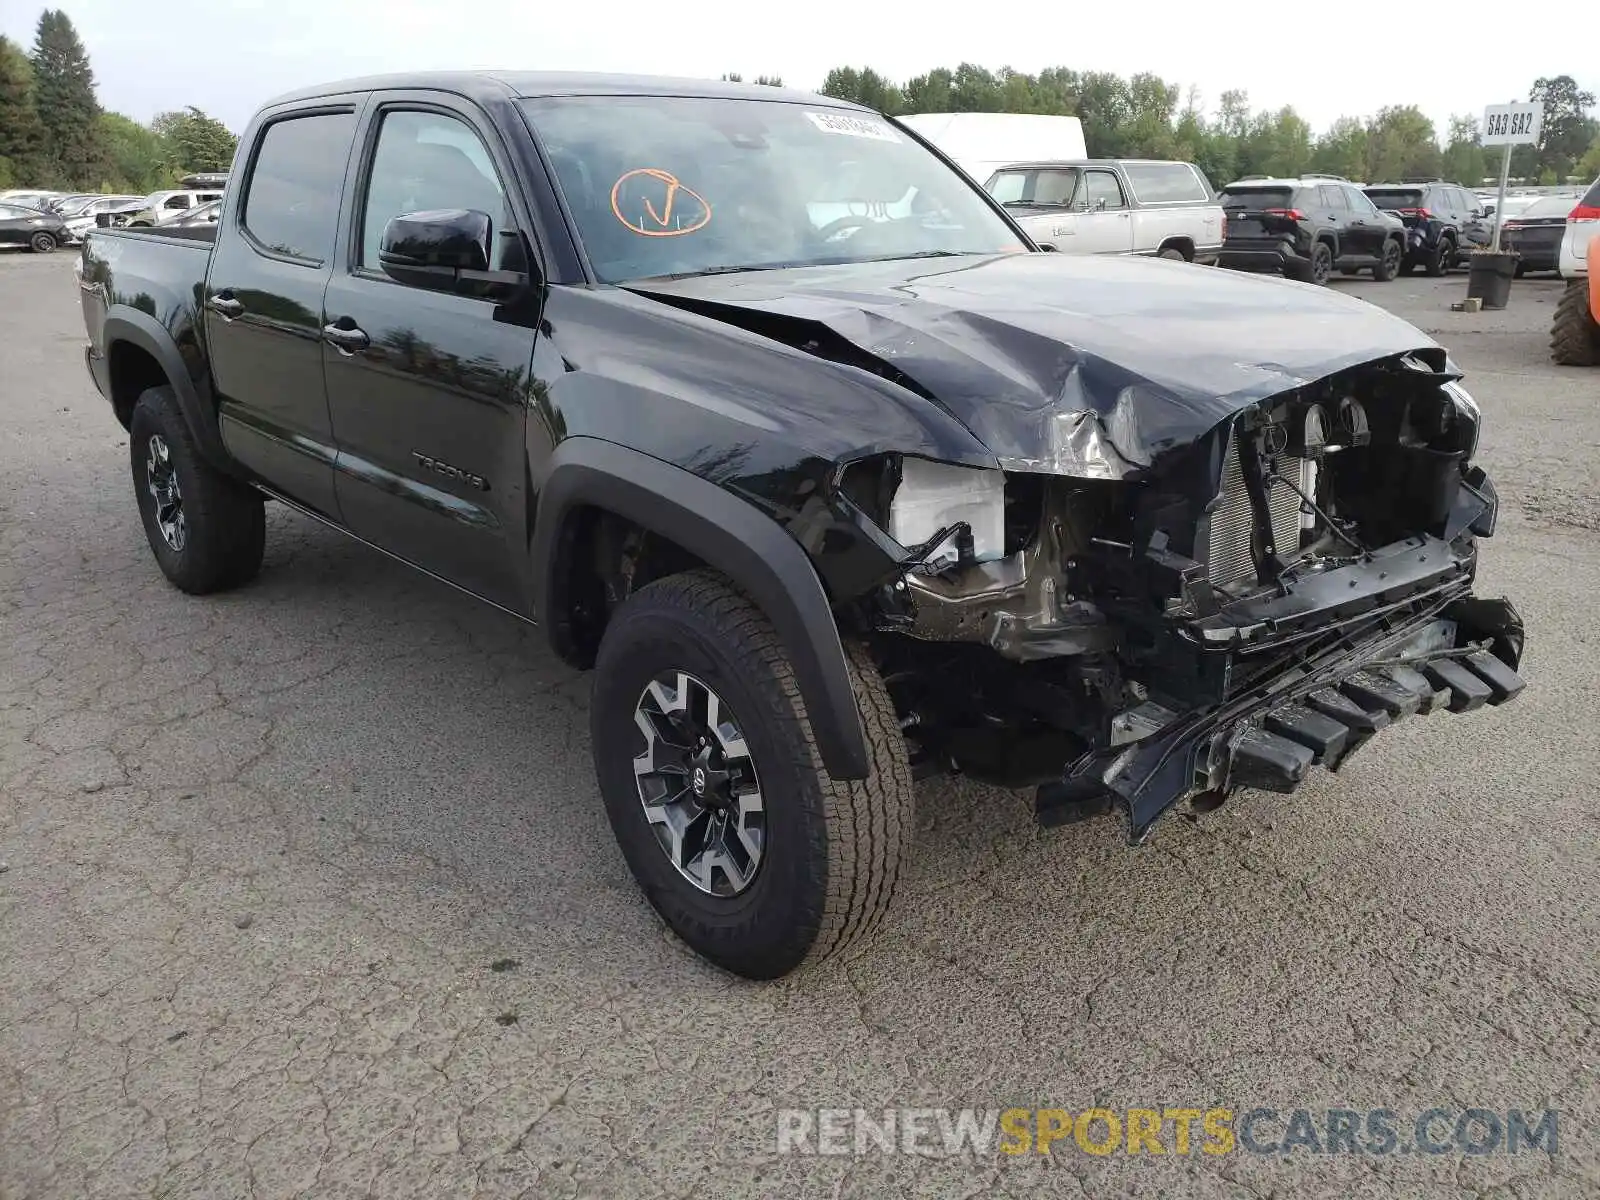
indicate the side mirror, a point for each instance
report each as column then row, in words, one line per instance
column 445, row 250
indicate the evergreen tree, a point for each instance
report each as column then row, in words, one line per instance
column 21, row 136
column 65, row 101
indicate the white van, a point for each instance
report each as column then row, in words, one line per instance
column 981, row 143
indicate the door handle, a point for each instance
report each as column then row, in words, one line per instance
column 225, row 306
column 347, row 337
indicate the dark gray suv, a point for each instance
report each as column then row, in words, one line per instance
column 1444, row 222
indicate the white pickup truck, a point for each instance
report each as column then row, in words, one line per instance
column 1114, row 206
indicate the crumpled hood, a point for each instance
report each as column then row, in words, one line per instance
column 1081, row 366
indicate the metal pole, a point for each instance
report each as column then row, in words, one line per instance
column 1500, row 204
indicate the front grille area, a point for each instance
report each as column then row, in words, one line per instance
column 1228, row 558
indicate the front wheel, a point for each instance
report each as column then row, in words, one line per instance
column 1575, row 333
column 42, row 242
column 716, row 791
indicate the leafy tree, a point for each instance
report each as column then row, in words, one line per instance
column 866, row 87
column 1567, row 129
column 930, row 93
column 1401, row 144
column 1342, row 150
column 21, row 134
column 1589, row 168
column 1464, row 159
column 192, row 141
column 64, row 99
column 762, row 80
column 135, row 155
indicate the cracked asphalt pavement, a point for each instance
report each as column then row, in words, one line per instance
column 308, row 890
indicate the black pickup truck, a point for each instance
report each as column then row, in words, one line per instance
column 769, row 415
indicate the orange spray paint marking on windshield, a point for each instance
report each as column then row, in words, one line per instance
column 690, row 208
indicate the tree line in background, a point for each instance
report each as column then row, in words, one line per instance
column 54, row 134
column 1141, row 117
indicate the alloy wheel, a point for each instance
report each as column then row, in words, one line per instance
column 162, row 481
column 698, row 784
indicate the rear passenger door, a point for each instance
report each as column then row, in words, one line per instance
column 1366, row 229
column 1105, row 227
column 263, row 301
column 429, row 389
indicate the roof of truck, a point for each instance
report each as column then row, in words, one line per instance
column 500, row 84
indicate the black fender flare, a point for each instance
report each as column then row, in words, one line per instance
column 126, row 324
column 729, row 535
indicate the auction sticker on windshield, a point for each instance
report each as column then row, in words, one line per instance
column 852, row 126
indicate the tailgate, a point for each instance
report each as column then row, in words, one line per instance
column 1260, row 212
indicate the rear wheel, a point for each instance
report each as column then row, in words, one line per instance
column 1321, row 262
column 1522, row 269
column 1442, row 258
column 716, row 791
column 1174, row 253
column 1574, row 334
column 42, row 242
column 207, row 531
column 1388, row 262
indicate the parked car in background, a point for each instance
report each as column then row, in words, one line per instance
column 982, row 143
column 1536, row 233
column 80, row 215
column 1444, row 222
column 1306, row 227
column 1514, row 206
column 39, row 231
column 163, row 205
column 1114, row 206
column 29, row 197
column 1575, row 331
column 204, row 216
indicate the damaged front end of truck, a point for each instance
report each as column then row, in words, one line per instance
column 1135, row 615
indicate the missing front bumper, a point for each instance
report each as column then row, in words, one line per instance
column 1456, row 657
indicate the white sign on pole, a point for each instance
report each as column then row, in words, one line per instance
column 1513, row 124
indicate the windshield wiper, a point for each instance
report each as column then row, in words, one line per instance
column 725, row 270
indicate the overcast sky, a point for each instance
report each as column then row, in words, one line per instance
column 226, row 56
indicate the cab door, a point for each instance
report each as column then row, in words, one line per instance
column 429, row 390
column 1105, row 224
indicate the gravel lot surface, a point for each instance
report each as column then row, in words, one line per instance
column 308, row 891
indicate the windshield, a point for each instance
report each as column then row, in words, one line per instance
column 687, row 185
column 1043, row 187
column 1395, row 198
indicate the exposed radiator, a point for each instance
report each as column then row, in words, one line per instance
column 1228, row 557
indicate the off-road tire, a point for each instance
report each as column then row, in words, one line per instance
column 224, row 521
column 1442, row 258
column 832, row 850
column 1388, row 264
column 1574, row 334
column 42, row 242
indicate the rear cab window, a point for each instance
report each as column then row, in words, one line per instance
column 1165, row 183
column 291, row 200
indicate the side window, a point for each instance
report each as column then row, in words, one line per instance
column 1358, row 201
column 181, row 200
column 1103, row 185
column 1332, row 197
column 1164, row 183
column 426, row 161
column 291, row 201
